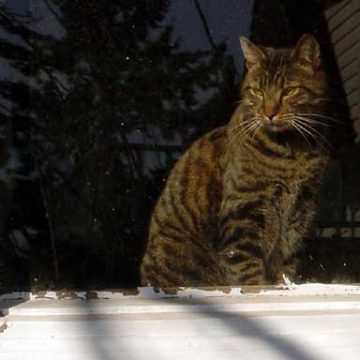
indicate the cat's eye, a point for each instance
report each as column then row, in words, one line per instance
column 256, row 92
column 291, row 91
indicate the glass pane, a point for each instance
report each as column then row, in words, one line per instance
column 100, row 99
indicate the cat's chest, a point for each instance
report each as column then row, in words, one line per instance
column 274, row 177
column 299, row 179
column 291, row 167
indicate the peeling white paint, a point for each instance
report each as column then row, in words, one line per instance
column 3, row 325
column 313, row 289
column 289, row 289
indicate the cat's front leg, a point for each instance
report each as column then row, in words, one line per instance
column 298, row 227
column 241, row 247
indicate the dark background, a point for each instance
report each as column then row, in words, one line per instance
column 99, row 98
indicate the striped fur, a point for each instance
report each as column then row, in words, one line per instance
column 239, row 202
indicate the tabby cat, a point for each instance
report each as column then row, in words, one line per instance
column 241, row 199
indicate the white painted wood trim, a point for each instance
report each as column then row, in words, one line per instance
column 286, row 298
column 301, row 322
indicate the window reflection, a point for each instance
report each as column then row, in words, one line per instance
column 99, row 99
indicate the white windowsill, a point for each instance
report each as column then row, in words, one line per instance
column 302, row 322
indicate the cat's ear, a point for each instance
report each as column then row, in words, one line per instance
column 268, row 51
column 253, row 54
column 307, row 51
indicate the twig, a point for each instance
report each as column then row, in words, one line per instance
column 206, row 27
column 52, row 10
column 48, row 216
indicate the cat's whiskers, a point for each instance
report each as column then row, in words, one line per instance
column 319, row 135
column 286, row 116
column 308, row 125
column 319, row 118
column 329, row 118
column 313, row 121
column 245, row 122
column 259, row 123
column 241, row 129
column 316, row 135
column 300, row 131
column 244, row 125
column 249, row 127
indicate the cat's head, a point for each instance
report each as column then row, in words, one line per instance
column 282, row 88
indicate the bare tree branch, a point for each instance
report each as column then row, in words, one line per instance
column 206, row 26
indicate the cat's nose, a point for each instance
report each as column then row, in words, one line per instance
column 271, row 110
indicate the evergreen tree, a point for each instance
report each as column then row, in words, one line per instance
column 113, row 71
